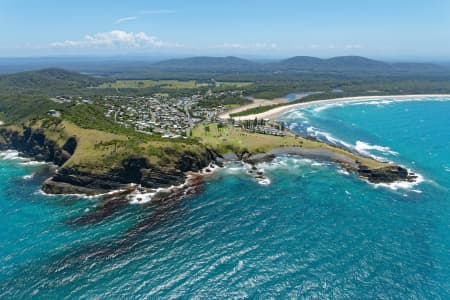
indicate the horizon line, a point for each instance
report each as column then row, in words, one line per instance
column 250, row 57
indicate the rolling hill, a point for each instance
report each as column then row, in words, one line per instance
column 46, row 81
column 204, row 67
column 207, row 64
column 341, row 64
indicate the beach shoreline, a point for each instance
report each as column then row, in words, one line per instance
column 278, row 111
column 254, row 104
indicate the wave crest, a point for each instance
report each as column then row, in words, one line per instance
column 10, row 155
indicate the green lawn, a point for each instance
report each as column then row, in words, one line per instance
column 228, row 139
column 136, row 84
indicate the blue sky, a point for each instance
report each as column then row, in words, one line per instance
column 388, row 29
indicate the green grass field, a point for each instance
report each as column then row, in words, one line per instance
column 100, row 151
column 169, row 84
column 228, row 139
column 233, row 84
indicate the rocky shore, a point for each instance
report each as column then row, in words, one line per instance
column 387, row 173
column 135, row 170
column 69, row 180
column 140, row 172
column 34, row 144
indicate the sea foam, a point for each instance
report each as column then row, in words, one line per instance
column 363, row 147
column 377, row 102
column 28, row 177
column 10, row 155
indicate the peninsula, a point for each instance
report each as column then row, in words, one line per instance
column 106, row 134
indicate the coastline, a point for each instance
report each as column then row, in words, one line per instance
column 278, row 111
column 72, row 181
column 254, row 104
column 135, row 193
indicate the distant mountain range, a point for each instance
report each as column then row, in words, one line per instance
column 335, row 63
column 204, row 63
column 294, row 64
column 227, row 65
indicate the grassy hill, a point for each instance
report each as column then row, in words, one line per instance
column 16, row 108
column 99, row 151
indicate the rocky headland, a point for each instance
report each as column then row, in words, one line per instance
column 35, row 144
column 142, row 172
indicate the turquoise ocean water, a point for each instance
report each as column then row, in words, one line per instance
column 313, row 232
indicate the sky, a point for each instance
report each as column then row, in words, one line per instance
column 383, row 29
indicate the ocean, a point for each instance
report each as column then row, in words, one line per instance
column 313, row 232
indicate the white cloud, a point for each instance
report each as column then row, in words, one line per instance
column 157, row 12
column 244, row 46
column 126, row 19
column 331, row 46
column 117, row 39
column 355, row 46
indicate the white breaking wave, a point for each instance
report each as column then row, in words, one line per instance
column 137, row 197
column 33, row 163
column 236, row 167
column 378, row 102
column 142, row 195
column 295, row 114
column 10, row 155
column 364, row 147
column 28, row 177
column 84, row 196
column 343, row 172
column 15, row 155
column 289, row 162
column 375, row 102
column 320, row 108
column 327, row 136
column 359, row 147
column 265, row 181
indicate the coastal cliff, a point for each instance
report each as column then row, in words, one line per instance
column 91, row 168
column 35, row 144
column 74, row 179
column 136, row 170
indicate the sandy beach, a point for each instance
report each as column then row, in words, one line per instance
column 255, row 103
column 278, row 111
